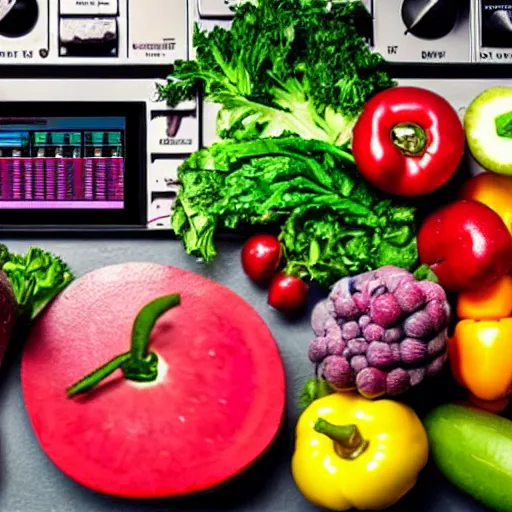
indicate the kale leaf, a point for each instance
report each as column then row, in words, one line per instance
column 324, row 244
column 37, row 277
column 332, row 222
column 297, row 66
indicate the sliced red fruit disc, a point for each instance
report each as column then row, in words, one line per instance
column 215, row 407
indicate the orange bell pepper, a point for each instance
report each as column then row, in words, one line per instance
column 480, row 350
column 493, row 303
column 481, row 357
column 493, row 190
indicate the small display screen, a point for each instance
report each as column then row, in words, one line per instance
column 62, row 162
column 496, row 23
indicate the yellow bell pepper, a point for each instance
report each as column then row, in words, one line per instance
column 480, row 354
column 493, row 190
column 480, row 350
column 352, row 452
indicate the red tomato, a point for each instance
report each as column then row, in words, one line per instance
column 408, row 141
column 466, row 244
column 287, row 293
column 261, row 256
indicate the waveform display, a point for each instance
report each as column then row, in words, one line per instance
column 52, row 180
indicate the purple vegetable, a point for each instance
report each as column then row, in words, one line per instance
column 412, row 350
column 397, row 382
column 437, row 345
column 357, row 346
column 418, row 325
column 379, row 354
column 410, row 297
column 381, row 332
column 338, row 372
column 385, row 310
column 350, row 330
column 373, row 332
column 358, row 363
column 364, row 320
column 8, row 312
column 322, row 316
column 393, row 335
column 318, row 350
column 371, row 382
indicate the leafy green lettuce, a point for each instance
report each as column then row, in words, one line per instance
column 332, row 222
column 299, row 66
column 37, row 277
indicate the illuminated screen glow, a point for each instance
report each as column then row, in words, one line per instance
column 62, row 162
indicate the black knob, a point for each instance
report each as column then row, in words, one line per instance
column 428, row 19
column 21, row 19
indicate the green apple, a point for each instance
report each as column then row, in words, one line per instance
column 488, row 127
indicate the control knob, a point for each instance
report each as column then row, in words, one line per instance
column 18, row 17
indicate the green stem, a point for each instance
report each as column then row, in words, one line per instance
column 141, row 370
column 503, row 125
column 323, row 389
column 146, row 320
column 314, row 389
column 137, row 364
column 425, row 273
column 409, row 138
column 101, row 373
column 348, row 442
column 341, row 152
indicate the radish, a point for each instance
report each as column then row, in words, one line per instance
column 193, row 390
column 8, row 313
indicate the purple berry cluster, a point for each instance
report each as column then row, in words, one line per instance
column 380, row 332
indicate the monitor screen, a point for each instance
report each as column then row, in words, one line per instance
column 62, row 162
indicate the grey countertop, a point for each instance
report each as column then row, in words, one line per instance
column 30, row 483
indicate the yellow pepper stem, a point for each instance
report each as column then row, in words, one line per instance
column 348, row 441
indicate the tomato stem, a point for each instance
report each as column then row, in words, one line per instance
column 138, row 364
column 409, row 138
column 348, row 441
column 425, row 273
